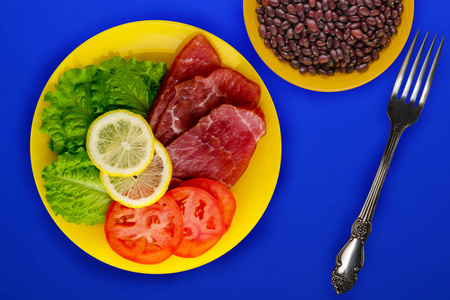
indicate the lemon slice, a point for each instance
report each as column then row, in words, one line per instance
column 120, row 143
column 144, row 188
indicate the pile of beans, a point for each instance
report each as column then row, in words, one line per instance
column 328, row 36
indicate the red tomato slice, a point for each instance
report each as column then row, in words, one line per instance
column 220, row 192
column 202, row 218
column 147, row 235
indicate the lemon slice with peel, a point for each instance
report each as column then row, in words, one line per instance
column 120, row 143
column 144, row 188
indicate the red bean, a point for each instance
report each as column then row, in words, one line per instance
column 312, row 70
column 369, row 3
column 299, row 28
column 375, row 55
column 400, row 9
column 274, row 2
column 280, row 13
column 306, row 61
column 321, row 43
column 362, row 67
column 387, row 13
column 364, row 11
column 306, row 43
column 354, row 25
column 273, row 30
column 366, row 58
column 291, row 9
column 322, row 71
column 357, row 33
column 336, row 43
column 349, row 70
column 318, row 15
column 365, row 38
column 312, row 25
column 345, row 48
column 300, row 9
column 290, row 34
column 328, row 15
column 295, row 64
column 277, row 22
column 285, row 25
column 262, row 30
column 371, row 21
column 303, row 69
column 291, row 18
column 374, row 12
column 343, row 5
column 359, row 52
column 353, row 10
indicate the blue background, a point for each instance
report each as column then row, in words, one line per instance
column 332, row 145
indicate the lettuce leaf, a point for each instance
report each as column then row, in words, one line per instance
column 70, row 111
column 126, row 85
column 81, row 95
column 74, row 189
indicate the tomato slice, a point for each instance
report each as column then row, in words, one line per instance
column 147, row 235
column 203, row 220
column 220, row 192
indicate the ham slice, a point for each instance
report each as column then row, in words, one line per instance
column 220, row 146
column 197, row 97
column 197, row 57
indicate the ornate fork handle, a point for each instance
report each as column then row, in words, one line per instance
column 350, row 259
column 402, row 114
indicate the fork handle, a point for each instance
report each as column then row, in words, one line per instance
column 350, row 259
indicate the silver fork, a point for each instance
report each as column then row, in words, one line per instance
column 402, row 113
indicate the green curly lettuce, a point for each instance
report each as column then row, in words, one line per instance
column 74, row 189
column 81, row 95
column 126, row 85
column 70, row 111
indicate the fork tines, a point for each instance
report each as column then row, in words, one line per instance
column 409, row 81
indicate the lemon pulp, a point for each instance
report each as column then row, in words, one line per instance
column 120, row 143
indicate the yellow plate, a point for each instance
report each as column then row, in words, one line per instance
column 158, row 41
column 338, row 82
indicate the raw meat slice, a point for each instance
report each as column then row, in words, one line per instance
column 198, row 57
column 220, row 146
column 197, row 97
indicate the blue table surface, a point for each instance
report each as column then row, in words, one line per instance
column 332, row 145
